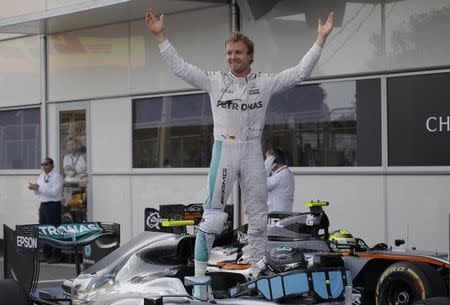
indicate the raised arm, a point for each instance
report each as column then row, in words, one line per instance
column 323, row 30
column 189, row 73
column 295, row 75
column 155, row 25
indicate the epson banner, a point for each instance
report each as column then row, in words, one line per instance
column 27, row 242
column 419, row 120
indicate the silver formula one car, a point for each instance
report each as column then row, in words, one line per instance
column 299, row 267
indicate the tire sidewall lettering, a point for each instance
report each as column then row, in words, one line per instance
column 403, row 272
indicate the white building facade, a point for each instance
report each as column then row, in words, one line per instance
column 369, row 132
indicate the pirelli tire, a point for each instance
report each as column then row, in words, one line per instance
column 404, row 283
column 434, row 301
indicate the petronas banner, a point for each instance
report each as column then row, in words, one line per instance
column 70, row 231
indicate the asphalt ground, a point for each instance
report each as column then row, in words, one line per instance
column 51, row 276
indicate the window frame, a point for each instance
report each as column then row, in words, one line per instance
column 26, row 171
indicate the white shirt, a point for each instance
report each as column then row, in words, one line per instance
column 77, row 165
column 50, row 186
column 239, row 104
column 280, row 190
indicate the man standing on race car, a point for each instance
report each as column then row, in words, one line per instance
column 239, row 100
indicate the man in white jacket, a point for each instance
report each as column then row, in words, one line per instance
column 239, row 100
column 280, row 182
column 49, row 188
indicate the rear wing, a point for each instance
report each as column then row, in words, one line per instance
column 175, row 218
column 21, row 261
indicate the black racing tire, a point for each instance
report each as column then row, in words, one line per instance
column 434, row 301
column 404, row 283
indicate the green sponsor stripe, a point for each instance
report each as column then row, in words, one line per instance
column 216, row 155
column 201, row 250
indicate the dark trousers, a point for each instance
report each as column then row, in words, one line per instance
column 50, row 214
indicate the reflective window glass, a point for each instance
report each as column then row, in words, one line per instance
column 283, row 31
column 172, row 131
column 73, row 155
column 419, row 120
column 328, row 124
column 20, row 139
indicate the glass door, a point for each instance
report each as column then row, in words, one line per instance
column 73, row 156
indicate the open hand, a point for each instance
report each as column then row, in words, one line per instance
column 154, row 24
column 323, row 30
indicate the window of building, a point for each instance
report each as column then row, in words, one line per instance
column 20, row 139
column 328, row 124
column 172, row 131
column 419, row 120
column 74, row 166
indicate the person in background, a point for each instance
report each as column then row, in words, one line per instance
column 74, row 163
column 280, row 182
column 49, row 188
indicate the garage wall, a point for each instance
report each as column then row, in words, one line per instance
column 372, row 207
column 286, row 35
column 356, row 202
column 89, row 63
column 123, row 59
column 369, row 35
column 413, row 34
column 112, row 202
column 53, row 134
column 200, row 43
column 51, row 4
column 20, row 206
column 12, row 8
column 418, row 210
column 417, row 206
column 111, row 155
column 20, row 76
column 111, row 135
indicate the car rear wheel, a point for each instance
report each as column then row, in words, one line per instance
column 404, row 283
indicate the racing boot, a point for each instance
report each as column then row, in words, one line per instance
column 256, row 268
column 201, row 289
column 200, row 292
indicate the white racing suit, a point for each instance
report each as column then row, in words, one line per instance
column 239, row 107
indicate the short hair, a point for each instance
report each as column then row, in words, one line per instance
column 280, row 155
column 75, row 141
column 238, row 36
column 49, row 160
